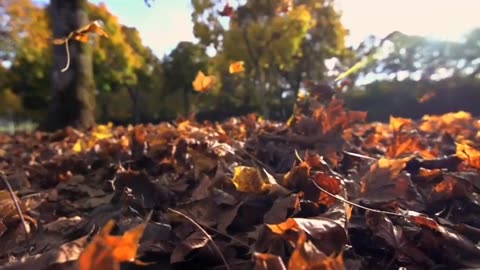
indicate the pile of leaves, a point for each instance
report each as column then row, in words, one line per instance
column 323, row 191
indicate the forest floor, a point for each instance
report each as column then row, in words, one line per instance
column 323, row 191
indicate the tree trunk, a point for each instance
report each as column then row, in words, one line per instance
column 137, row 111
column 73, row 101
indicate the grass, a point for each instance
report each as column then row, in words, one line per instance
column 12, row 127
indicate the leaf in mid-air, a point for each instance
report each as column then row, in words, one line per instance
column 81, row 34
column 236, row 67
column 203, row 83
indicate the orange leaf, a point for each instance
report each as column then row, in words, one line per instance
column 468, row 154
column 59, row 41
column 93, row 27
column 203, row 83
column 81, row 37
column 81, row 34
column 329, row 183
column 306, row 256
column 397, row 123
column 236, row 67
column 426, row 97
column 107, row 251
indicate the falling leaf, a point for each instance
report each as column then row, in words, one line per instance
column 227, row 11
column 81, row 34
column 426, row 97
column 236, row 67
column 203, row 83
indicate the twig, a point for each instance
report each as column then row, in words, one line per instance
column 358, row 155
column 265, row 166
column 204, row 232
column 356, row 204
column 15, row 202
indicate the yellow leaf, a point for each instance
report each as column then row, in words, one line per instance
column 396, row 123
column 103, row 131
column 468, row 154
column 203, row 83
column 248, row 179
column 236, row 67
column 79, row 146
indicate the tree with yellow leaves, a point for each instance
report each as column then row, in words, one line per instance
column 281, row 43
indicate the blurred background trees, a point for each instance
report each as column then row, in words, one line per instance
column 282, row 43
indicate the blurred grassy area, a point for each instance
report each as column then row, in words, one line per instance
column 14, row 127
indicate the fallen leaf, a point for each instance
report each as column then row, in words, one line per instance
column 107, row 251
column 307, row 257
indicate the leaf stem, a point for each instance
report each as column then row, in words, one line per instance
column 204, row 232
column 68, row 56
column 15, row 202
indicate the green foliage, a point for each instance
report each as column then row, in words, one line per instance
column 125, row 70
column 402, row 98
column 280, row 49
column 181, row 67
column 25, row 47
column 117, row 57
column 419, row 58
column 10, row 103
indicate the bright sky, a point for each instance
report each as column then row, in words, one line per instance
column 168, row 22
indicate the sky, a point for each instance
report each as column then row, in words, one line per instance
column 168, row 22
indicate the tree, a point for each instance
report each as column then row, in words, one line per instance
column 181, row 67
column 74, row 101
column 126, row 72
column 26, row 51
column 280, row 45
column 423, row 59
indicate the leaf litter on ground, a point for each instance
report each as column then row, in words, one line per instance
column 326, row 190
